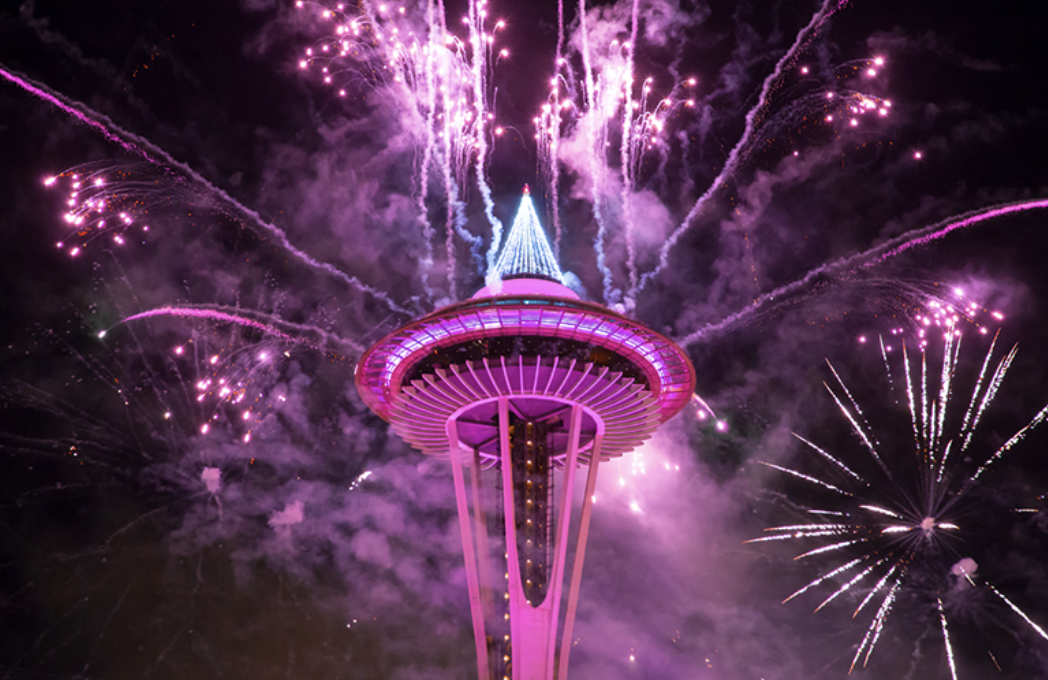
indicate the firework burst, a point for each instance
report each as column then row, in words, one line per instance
column 894, row 521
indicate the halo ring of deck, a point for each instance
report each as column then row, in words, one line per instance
column 382, row 371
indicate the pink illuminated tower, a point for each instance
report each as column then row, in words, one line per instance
column 522, row 385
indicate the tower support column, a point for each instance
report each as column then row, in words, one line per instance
column 476, row 605
column 576, row 567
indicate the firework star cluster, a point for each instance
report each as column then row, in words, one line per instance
column 209, row 211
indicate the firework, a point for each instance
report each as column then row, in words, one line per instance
column 444, row 82
column 177, row 441
column 892, row 523
column 595, row 99
column 118, row 202
column 631, row 124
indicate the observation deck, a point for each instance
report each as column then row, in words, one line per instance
column 533, row 338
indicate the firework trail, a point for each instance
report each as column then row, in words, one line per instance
column 227, row 383
column 107, row 199
column 703, row 412
column 102, row 124
column 547, row 142
column 829, row 7
column 898, row 520
column 926, row 235
column 946, row 639
column 480, row 61
column 160, row 158
column 421, row 178
column 445, row 86
column 452, row 146
column 628, row 178
column 853, row 264
column 287, row 332
column 457, row 135
column 183, row 449
column 554, row 153
column 609, row 81
column 594, row 129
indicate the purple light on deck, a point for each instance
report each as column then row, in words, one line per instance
column 381, row 371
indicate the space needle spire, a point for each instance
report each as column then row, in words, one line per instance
column 527, row 252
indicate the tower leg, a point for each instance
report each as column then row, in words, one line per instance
column 472, row 577
column 571, row 463
column 576, row 567
column 483, row 550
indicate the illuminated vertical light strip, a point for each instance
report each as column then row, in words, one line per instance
column 563, row 530
column 469, row 553
column 580, row 555
column 527, row 251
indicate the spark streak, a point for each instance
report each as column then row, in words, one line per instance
column 286, row 331
column 829, row 7
column 1021, row 613
column 946, row 640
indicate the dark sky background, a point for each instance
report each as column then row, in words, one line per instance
column 133, row 546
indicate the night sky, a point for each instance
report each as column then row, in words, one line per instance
column 305, row 541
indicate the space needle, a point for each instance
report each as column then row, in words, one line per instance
column 520, row 388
